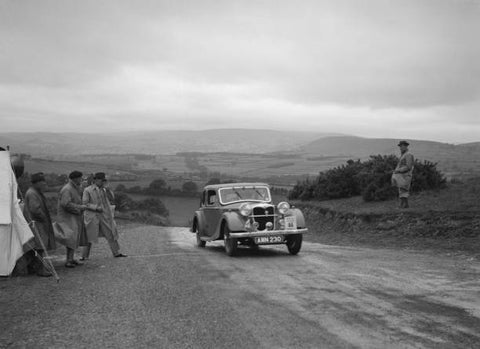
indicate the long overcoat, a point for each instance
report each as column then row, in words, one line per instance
column 35, row 209
column 98, row 224
column 69, row 225
column 402, row 177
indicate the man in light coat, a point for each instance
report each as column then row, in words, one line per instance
column 402, row 175
column 69, row 225
column 37, row 215
column 98, row 217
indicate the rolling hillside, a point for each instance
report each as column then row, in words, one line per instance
column 450, row 158
column 56, row 145
column 236, row 151
column 359, row 147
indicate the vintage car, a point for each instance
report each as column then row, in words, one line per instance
column 243, row 213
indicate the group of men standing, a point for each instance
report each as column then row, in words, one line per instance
column 84, row 214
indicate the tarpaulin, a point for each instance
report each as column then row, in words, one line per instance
column 14, row 230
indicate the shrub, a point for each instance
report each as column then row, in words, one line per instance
column 135, row 190
column 123, row 202
column 371, row 179
column 156, row 187
column 213, row 180
column 153, row 205
column 426, row 176
column 120, row 188
column 189, row 187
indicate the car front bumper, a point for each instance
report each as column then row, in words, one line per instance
column 259, row 233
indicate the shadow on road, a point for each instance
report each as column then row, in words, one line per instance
column 247, row 251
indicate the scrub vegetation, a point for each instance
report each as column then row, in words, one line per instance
column 371, row 179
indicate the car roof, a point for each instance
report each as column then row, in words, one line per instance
column 229, row 185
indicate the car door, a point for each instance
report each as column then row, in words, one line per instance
column 212, row 212
column 201, row 215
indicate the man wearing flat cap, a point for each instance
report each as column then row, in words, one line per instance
column 37, row 215
column 98, row 217
column 69, row 225
column 402, row 175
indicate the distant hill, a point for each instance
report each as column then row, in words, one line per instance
column 312, row 151
column 157, row 142
column 472, row 147
column 360, row 147
column 450, row 158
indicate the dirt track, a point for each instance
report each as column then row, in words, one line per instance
column 169, row 293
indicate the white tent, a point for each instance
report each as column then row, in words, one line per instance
column 14, row 230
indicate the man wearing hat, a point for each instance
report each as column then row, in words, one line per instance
column 98, row 217
column 36, row 213
column 402, row 175
column 69, row 225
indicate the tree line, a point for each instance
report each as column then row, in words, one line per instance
column 159, row 187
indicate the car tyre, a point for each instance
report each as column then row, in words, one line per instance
column 294, row 243
column 200, row 242
column 230, row 243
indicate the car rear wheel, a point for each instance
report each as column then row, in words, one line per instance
column 294, row 243
column 230, row 243
column 200, row 242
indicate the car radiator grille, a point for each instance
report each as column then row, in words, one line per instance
column 262, row 215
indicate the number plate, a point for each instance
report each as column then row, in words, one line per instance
column 291, row 222
column 263, row 240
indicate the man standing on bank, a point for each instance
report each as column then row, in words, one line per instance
column 37, row 215
column 69, row 225
column 402, row 175
column 98, row 217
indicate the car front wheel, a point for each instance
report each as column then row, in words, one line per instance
column 294, row 243
column 230, row 243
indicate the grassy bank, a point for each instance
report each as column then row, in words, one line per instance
column 447, row 220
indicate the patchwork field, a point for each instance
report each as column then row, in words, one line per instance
column 133, row 170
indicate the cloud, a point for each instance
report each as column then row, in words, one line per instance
column 342, row 65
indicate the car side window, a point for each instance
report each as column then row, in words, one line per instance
column 212, row 197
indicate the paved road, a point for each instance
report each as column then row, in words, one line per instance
column 171, row 294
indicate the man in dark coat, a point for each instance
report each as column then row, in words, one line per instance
column 37, row 215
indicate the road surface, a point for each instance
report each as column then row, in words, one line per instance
column 170, row 294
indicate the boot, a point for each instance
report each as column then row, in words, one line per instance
column 403, row 202
column 69, row 259
column 86, row 252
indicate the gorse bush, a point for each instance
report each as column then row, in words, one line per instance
column 158, row 187
column 371, row 179
column 125, row 203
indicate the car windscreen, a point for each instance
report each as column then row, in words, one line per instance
column 235, row 194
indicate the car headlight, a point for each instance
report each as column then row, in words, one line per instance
column 283, row 207
column 245, row 209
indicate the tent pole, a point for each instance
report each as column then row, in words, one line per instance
column 48, row 265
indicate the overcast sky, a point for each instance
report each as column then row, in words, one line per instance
column 376, row 68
